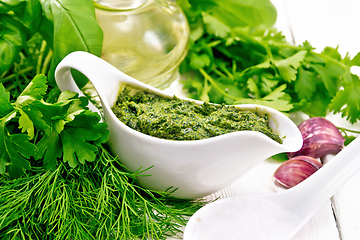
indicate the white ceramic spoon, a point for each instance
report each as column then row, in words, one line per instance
column 274, row 216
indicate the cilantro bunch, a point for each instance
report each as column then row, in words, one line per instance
column 37, row 133
column 236, row 62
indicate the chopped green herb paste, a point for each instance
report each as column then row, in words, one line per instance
column 185, row 120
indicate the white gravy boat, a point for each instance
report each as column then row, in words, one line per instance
column 195, row 168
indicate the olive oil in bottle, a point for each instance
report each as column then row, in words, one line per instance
column 146, row 39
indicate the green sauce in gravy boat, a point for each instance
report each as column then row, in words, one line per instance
column 194, row 168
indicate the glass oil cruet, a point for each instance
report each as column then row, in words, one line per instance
column 146, row 39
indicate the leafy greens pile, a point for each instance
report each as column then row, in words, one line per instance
column 236, row 57
column 58, row 179
column 64, row 25
column 63, row 128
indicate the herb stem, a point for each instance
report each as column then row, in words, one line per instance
column 46, row 61
column 211, row 80
column 286, row 45
column 40, row 58
column 14, row 76
column 348, row 130
column 218, row 72
column 330, row 59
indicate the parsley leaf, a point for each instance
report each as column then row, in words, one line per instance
column 198, row 61
column 331, row 75
column 304, row 84
column 5, row 104
column 214, row 26
column 288, row 67
column 48, row 131
column 233, row 61
column 78, row 149
column 276, row 99
column 36, row 89
column 3, row 93
column 347, row 100
column 15, row 148
column 49, row 149
column 81, row 136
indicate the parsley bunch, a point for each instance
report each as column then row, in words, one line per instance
column 233, row 62
column 58, row 179
column 33, row 130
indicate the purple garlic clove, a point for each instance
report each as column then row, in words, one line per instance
column 296, row 170
column 320, row 137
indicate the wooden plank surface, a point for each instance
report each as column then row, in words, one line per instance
column 333, row 23
column 323, row 23
column 258, row 181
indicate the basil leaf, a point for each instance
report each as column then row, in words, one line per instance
column 235, row 13
column 75, row 28
column 12, row 37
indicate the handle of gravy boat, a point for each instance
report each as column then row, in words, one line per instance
column 106, row 79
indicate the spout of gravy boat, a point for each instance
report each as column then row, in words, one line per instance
column 194, row 168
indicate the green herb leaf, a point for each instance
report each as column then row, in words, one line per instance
column 36, row 89
column 13, row 36
column 80, row 136
column 288, row 67
column 74, row 29
column 240, row 13
column 65, row 128
column 331, row 75
column 5, row 105
column 26, row 124
column 49, row 149
column 3, row 93
column 246, row 62
column 275, row 99
column 18, row 23
column 305, row 84
column 198, row 61
column 19, row 150
column 75, row 141
column 355, row 61
column 347, row 100
column 214, row 26
column 204, row 95
column 15, row 148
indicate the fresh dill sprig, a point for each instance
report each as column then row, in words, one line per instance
column 97, row 200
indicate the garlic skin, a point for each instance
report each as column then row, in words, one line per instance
column 296, row 170
column 320, row 137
